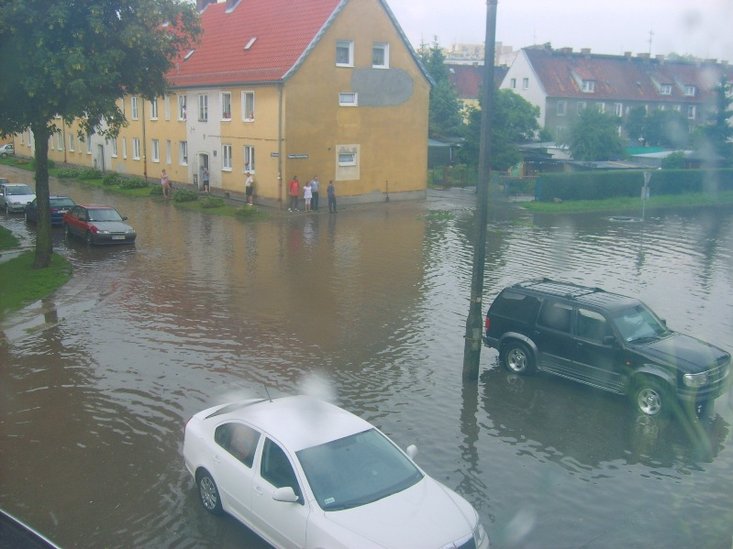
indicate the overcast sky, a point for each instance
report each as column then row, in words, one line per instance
column 703, row 28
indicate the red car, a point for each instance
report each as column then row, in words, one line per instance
column 98, row 224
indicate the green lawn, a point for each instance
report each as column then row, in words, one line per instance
column 22, row 284
column 626, row 204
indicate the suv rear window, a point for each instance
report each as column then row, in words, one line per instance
column 520, row 307
column 556, row 316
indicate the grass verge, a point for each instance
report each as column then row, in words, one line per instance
column 8, row 241
column 24, row 284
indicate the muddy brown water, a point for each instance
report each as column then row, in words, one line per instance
column 98, row 380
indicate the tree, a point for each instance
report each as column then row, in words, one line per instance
column 446, row 119
column 716, row 135
column 594, row 136
column 635, row 123
column 513, row 121
column 74, row 60
column 666, row 128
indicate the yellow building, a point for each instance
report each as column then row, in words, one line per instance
column 327, row 88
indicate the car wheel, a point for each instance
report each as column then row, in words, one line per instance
column 517, row 358
column 651, row 398
column 209, row 493
column 89, row 238
column 67, row 231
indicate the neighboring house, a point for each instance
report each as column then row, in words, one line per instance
column 280, row 88
column 468, row 79
column 562, row 83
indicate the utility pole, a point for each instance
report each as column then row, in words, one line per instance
column 474, row 323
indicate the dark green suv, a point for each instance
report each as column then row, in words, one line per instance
column 606, row 340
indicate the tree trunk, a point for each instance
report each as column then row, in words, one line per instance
column 44, row 243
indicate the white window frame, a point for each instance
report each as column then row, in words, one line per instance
column 581, row 106
column 181, row 107
column 133, row 108
column 348, row 99
column 601, row 107
column 124, row 148
column 71, row 142
column 347, row 158
column 59, row 141
column 347, row 45
column 203, row 107
column 618, row 108
column 183, row 153
column 561, row 108
column 167, row 107
column 154, row 109
column 382, row 47
column 691, row 112
column 249, row 158
column 135, row 148
column 248, row 106
column 690, row 91
column 665, row 89
column 155, row 146
column 168, row 151
column 114, row 147
column 513, row 83
column 226, row 158
column 525, row 83
column 89, row 143
column 589, row 86
column 226, row 106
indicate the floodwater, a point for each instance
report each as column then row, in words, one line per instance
column 97, row 381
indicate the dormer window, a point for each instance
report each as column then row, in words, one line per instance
column 690, row 91
column 665, row 89
column 250, row 43
column 188, row 55
column 589, row 86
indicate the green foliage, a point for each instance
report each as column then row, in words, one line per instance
column 78, row 173
column 715, row 139
column 597, row 185
column 185, row 195
column 457, row 175
column 133, row 183
column 446, row 119
column 212, row 202
column 594, row 136
column 513, row 121
column 666, row 129
column 30, row 284
column 635, row 123
column 156, row 190
column 8, row 240
column 674, row 161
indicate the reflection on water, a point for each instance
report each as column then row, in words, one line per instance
column 97, row 381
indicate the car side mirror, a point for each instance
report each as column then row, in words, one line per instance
column 124, row 218
column 609, row 340
column 411, row 451
column 286, row 494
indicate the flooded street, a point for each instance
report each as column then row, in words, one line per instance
column 97, row 381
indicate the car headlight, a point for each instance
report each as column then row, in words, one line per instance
column 695, row 380
column 480, row 537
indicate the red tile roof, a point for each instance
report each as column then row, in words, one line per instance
column 282, row 29
column 623, row 77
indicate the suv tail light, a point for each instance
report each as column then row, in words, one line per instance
column 487, row 324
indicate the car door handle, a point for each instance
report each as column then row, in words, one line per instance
column 258, row 490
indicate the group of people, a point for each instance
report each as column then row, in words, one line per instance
column 311, row 194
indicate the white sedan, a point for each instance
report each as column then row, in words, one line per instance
column 301, row 472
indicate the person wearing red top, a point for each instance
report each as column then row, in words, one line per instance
column 294, row 194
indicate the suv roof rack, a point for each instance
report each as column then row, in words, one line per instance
column 568, row 290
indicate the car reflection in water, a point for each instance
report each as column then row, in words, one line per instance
column 593, row 427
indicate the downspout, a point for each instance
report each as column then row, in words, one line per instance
column 280, row 180
column 145, row 144
column 63, row 134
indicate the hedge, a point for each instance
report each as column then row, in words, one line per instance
column 596, row 185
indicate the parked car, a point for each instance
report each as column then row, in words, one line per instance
column 606, row 340
column 7, row 150
column 98, row 224
column 16, row 533
column 301, row 472
column 15, row 196
column 59, row 206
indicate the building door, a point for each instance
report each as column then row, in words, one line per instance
column 203, row 165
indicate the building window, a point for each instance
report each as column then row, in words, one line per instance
column 122, row 106
column 154, row 109
column 348, row 99
column 525, row 83
column 181, row 107
column 677, row 108
column 124, row 148
column 156, row 150
column 183, row 153
column 203, row 108
column 133, row 107
column 691, row 112
column 71, row 142
column 59, row 142
column 618, row 109
column 248, row 106
column 601, row 107
column 226, row 157
column 380, row 56
column 89, row 143
column 589, row 86
column 114, row 147
column 226, row 106
column 690, row 91
column 347, row 158
column 249, row 158
column 581, row 106
column 168, row 151
column 167, row 107
column 513, row 83
column 344, row 53
column 562, row 108
column 665, row 89
column 135, row 148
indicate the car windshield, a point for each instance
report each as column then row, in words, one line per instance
column 639, row 323
column 61, row 202
column 104, row 214
column 19, row 189
column 356, row 470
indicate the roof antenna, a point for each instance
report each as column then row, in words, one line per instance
column 268, row 393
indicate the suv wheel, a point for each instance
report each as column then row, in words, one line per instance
column 516, row 357
column 651, row 398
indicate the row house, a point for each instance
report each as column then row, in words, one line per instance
column 563, row 82
column 280, row 88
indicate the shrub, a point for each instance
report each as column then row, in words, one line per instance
column 212, row 202
column 185, row 195
column 132, row 183
column 111, row 179
column 156, row 190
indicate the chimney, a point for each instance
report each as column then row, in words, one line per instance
column 585, row 51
